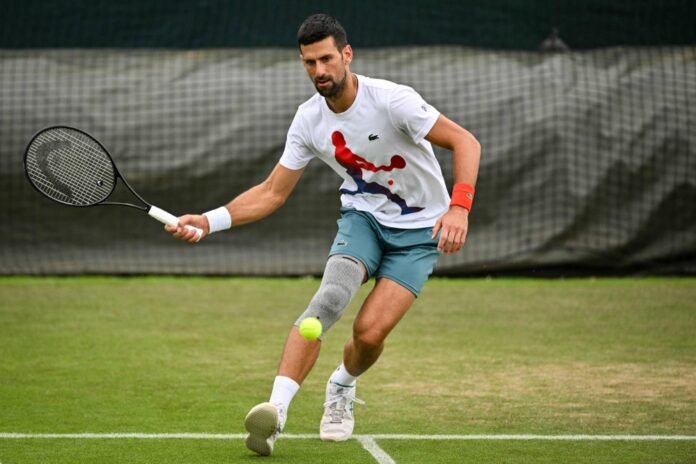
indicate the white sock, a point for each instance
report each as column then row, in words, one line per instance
column 284, row 389
column 342, row 377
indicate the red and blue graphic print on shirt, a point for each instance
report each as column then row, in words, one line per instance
column 355, row 164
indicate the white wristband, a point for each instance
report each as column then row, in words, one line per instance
column 218, row 219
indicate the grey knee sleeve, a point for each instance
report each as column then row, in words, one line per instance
column 342, row 279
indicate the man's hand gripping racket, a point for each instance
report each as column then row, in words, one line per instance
column 71, row 167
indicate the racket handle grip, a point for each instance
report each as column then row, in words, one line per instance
column 171, row 220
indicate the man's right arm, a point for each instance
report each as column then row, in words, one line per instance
column 251, row 205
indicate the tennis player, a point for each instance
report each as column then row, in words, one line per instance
column 396, row 217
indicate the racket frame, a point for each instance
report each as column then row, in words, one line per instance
column 155, row 212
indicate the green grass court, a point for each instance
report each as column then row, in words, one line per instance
column 599, row 357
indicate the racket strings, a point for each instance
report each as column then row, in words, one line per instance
column 70, row 167
column 90, row 169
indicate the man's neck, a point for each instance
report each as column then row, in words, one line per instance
column 342, row 102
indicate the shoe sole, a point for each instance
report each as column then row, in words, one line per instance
column 334, row 438
column 334, row 435
column 261, row 423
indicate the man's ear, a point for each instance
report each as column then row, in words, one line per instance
column 347, row 53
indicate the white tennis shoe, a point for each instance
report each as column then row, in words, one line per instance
column 264, row 423
column 338, row 421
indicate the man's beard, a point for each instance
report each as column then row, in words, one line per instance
column 333, row 90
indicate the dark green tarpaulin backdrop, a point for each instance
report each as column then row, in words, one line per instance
column 500, row 24
column 589, row 156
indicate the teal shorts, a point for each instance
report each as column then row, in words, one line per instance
column 406, row 256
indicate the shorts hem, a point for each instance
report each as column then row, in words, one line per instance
column 406, row 285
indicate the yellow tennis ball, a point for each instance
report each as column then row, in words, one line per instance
column 310, row 328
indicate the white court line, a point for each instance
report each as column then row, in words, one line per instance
column 535, row 437
column 239, row 436
column 375, row 450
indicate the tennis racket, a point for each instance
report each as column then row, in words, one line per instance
column 71, row 167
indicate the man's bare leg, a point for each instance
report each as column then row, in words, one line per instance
column 381, row 311
column 299, row 356
column 266, row 420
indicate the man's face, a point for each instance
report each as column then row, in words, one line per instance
column 326, row 66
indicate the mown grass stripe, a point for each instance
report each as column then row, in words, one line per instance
column 361, row 438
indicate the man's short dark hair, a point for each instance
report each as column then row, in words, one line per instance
column 320, row 26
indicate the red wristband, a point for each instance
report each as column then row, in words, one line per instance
column 462, row 195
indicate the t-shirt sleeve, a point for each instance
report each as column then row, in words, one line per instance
column 297, row 153
column 411, row 114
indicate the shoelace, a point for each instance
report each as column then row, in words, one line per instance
column 281, row 423
column 338, row 402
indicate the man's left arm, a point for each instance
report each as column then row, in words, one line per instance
column 466, row 154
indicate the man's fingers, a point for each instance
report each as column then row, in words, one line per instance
column 436, row 229
column 451, row 240
column 451, row 245
column 441, row 244
column 452, row 228
column 458, row 241
column 187, row 229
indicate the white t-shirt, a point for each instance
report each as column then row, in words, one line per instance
column 377, row 146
